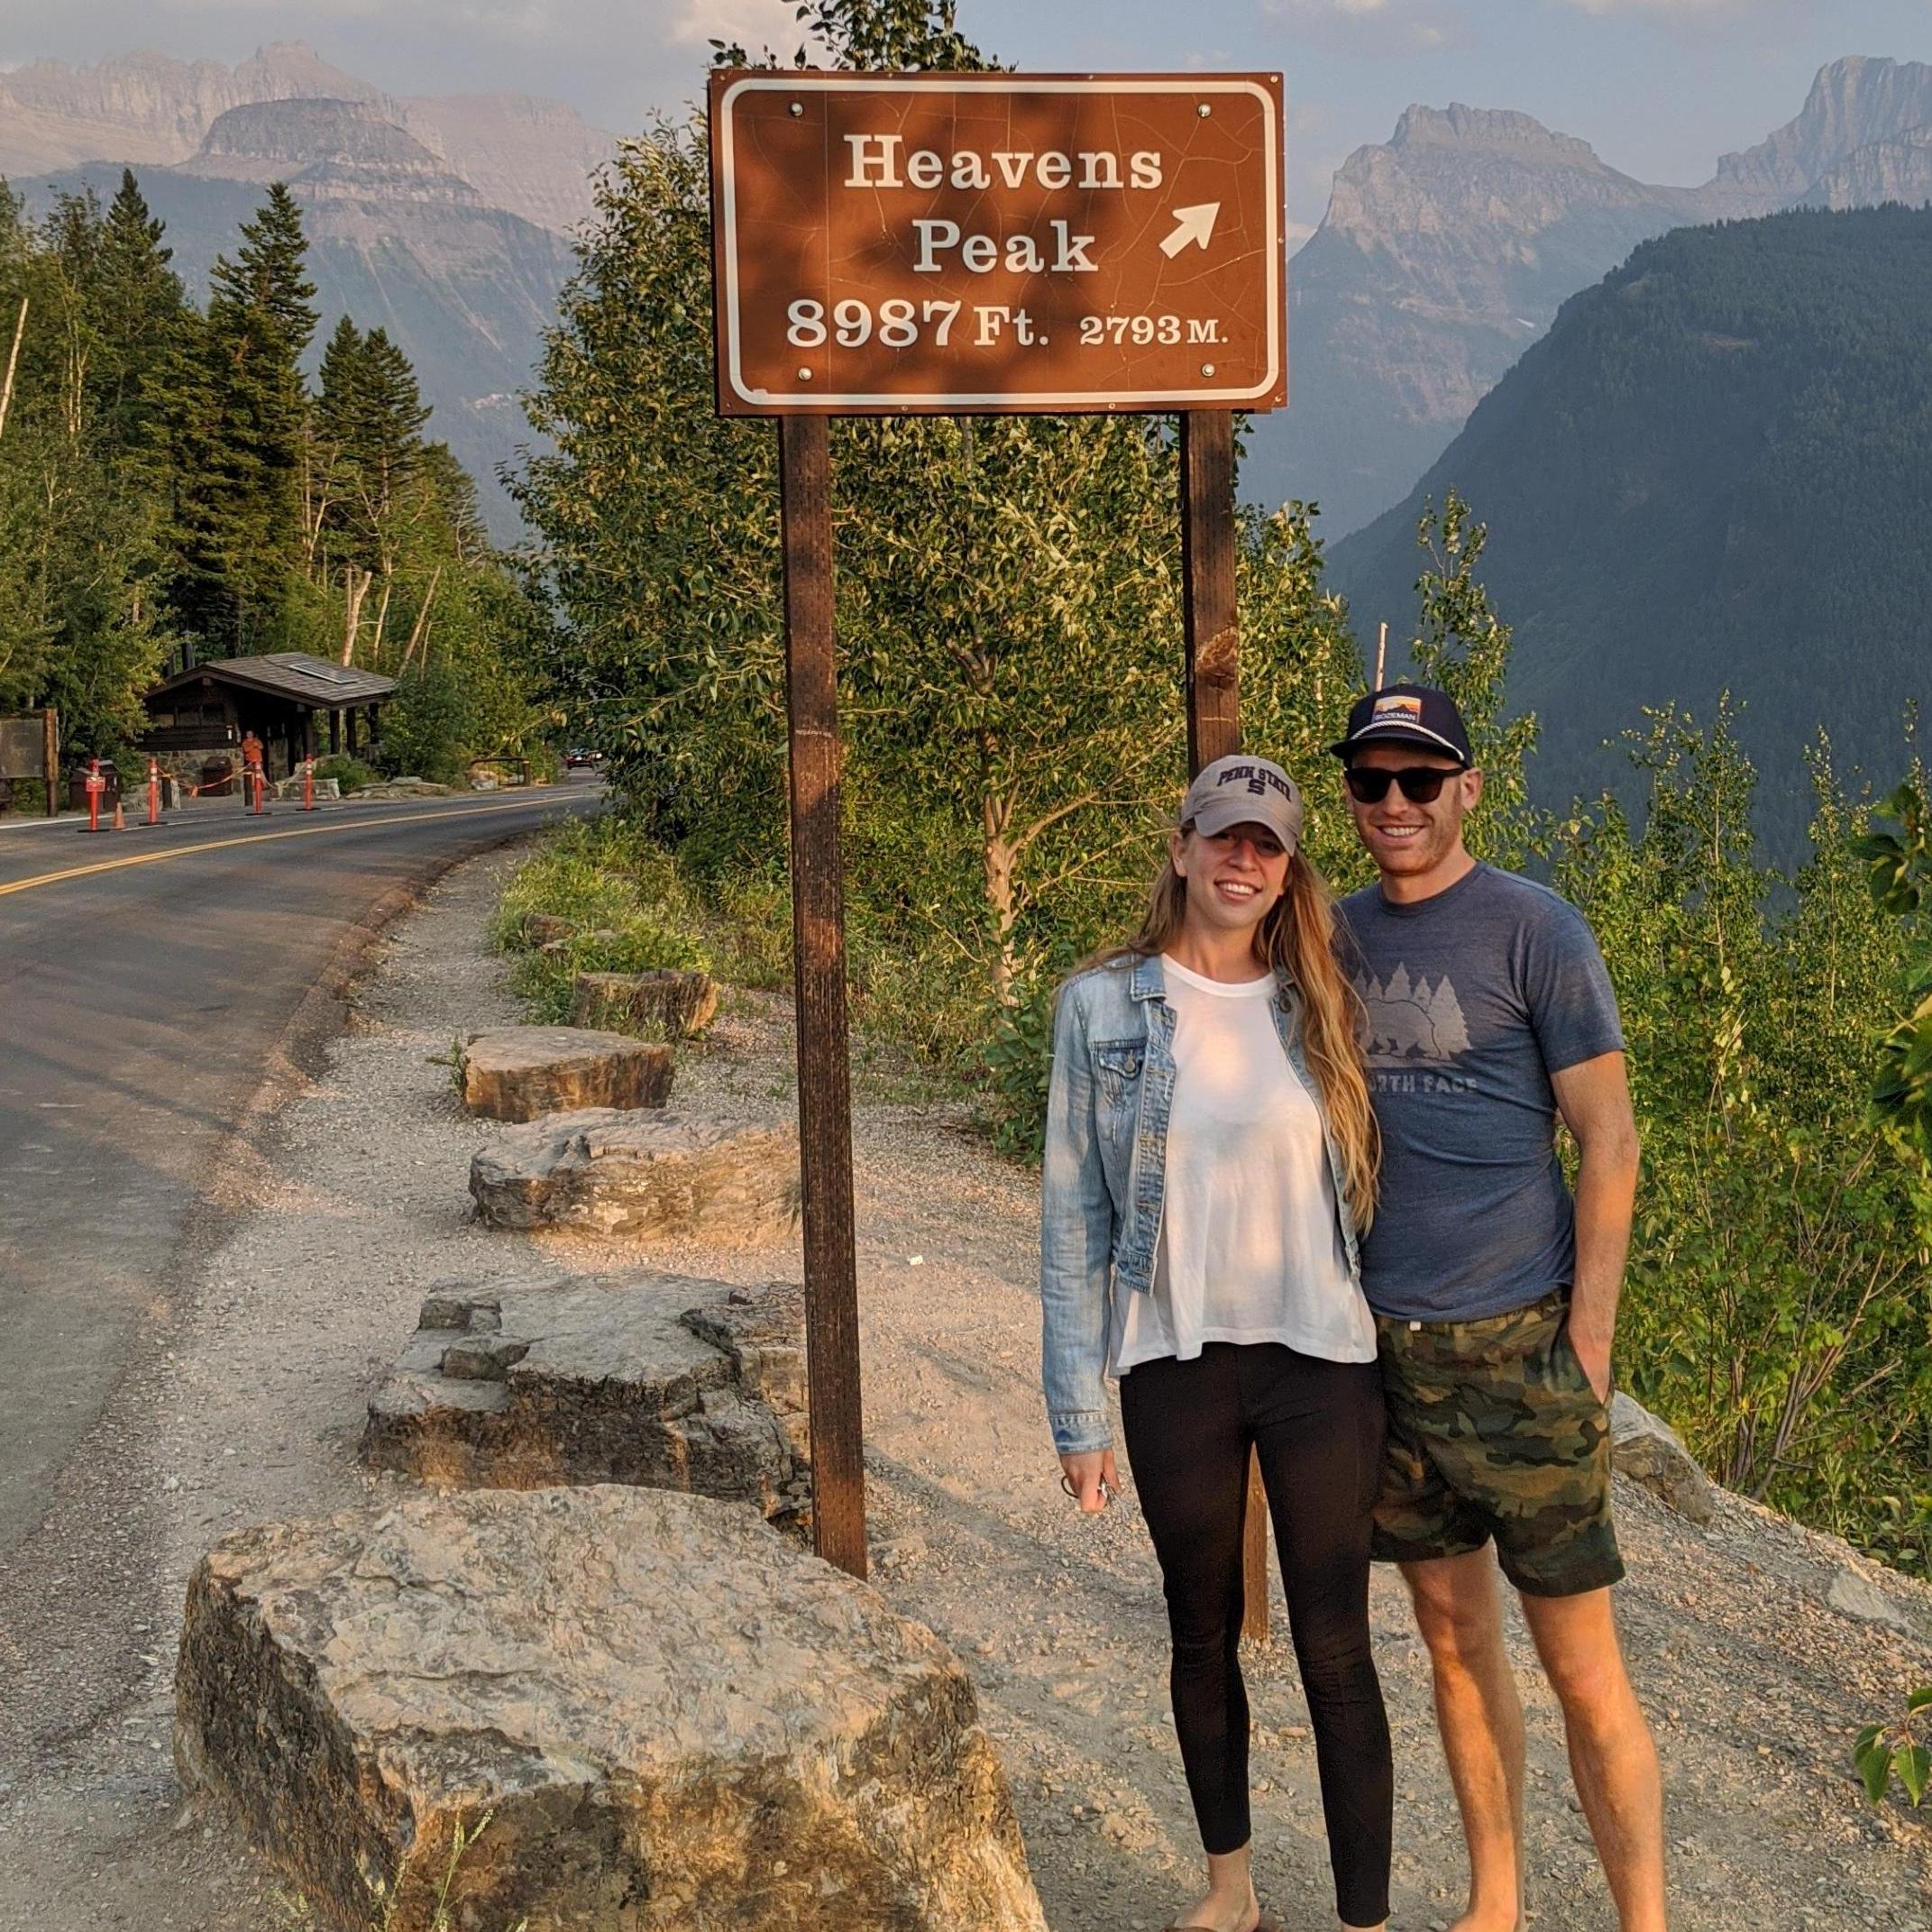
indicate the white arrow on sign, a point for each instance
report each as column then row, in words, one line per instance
column 1195, row 225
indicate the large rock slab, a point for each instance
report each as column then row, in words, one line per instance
column 675, row 1721
column 404, row 787
column 1646, row 1449
column 521, row 1072
column 647, row 1175
column 665, row 1380
column 667, row 1004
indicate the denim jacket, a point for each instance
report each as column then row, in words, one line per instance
column 1106, row 1160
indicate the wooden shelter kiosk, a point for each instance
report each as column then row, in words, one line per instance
column 210, row 707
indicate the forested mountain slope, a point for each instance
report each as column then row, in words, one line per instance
column 1715, row 472
column 1445, row 252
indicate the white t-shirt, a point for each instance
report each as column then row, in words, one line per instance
column 1250, row 1249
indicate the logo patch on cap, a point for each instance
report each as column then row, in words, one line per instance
column 1397, row 710
column 1258, row 779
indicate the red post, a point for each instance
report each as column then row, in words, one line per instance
column 261, row 779
column 308, row 784
column 154, row 790
column 96, row 785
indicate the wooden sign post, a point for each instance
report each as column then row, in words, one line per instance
column 890, row 244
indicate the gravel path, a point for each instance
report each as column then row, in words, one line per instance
column 251, row 1406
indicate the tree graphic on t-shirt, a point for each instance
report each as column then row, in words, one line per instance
column 1412, row 1023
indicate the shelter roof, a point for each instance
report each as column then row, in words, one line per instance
column 291, row 674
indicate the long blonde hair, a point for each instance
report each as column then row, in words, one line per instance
column 1297, row 940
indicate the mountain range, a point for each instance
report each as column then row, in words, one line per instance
column 1447, row 251
column 1444, row 252
column 1713, row 473
column 444, row 220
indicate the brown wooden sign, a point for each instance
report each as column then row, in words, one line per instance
column 1020, row 243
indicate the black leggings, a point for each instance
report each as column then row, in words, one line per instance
column 1317, row 1426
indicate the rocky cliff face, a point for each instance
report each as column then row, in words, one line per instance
column 146, row 107
column 1886, row 170
column 1853, row 104
column 1443, row 255
column 1447, row 250
column 534, row 158
column 328, row 150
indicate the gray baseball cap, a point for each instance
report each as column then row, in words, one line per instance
column 1243, row 790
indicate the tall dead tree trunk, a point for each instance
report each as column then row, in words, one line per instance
column 382, row 618
column 356, row 587
column 420, row 628
column 13, row 362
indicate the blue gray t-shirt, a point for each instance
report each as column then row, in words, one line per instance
column 1475, row 998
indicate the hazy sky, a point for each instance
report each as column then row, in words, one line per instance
column 1660, row 87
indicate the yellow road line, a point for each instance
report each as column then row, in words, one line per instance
column 257, row 838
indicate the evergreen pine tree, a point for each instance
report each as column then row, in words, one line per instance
column 138, row 305
column 239, row 434
column 369, row 448
column 70, row 252
column 393, row 413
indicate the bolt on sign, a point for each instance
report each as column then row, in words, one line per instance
column 1019, row 243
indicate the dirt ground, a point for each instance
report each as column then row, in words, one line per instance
column 249, row 1405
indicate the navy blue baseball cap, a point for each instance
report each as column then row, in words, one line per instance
column 1406, row 714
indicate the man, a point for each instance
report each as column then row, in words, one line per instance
column 1494, row 1293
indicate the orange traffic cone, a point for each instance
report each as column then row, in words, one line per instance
column 120, row 821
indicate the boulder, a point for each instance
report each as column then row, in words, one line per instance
column 673, row 1719
column 520, row 1073
column 541, row 928
column 645, row 1174
column 662, row 1005
column 659, row 1379
column 1852, row 1595
column 291, row 788
column 1646, row 1449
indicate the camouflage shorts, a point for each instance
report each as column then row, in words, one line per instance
column 1494, row 1431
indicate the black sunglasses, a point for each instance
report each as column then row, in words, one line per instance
column 1422, row 784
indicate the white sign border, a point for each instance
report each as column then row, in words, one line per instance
column 1085, row 401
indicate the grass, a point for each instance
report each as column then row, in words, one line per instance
column 917, row 1027
column 298, row 1915
column 628, row 909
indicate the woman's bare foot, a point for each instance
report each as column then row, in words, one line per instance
column 1223, row 1910
column 1228, row 1903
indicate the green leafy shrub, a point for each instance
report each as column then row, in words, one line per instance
column 1019, row 1061
column 351, row 774
column 547, row 980
column 1888, row 1750
column 631, row 909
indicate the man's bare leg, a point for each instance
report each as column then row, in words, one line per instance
column 1611, row 1756
column 1459, row 1613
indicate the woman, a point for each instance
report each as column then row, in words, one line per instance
column 1210, row 1154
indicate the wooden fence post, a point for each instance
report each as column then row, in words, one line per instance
column 51, row 756
column 819, row 945
column 1214, row 731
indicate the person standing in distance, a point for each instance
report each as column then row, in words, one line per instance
column 1210, row 1155
column 1491, row 1017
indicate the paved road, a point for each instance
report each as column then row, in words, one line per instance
column 147, row 983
